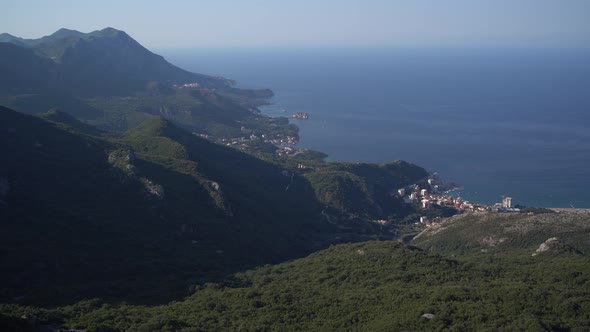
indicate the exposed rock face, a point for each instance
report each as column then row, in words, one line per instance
column 555, row 245
column 122, row 156
column 548, row 245
column 122, row 161
column 153, row 190
column 220, row 197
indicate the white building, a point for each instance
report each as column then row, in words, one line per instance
column 423, row 192
column 401, row 191
column 507, row 202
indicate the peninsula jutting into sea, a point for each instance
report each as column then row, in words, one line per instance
column 486, row 121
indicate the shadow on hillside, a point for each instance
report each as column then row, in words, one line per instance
column 76, row 225
column 150, row 255
column 41, row 103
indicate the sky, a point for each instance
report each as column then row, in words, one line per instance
column 313, row 23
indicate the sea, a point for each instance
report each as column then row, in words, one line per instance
column 498, row 122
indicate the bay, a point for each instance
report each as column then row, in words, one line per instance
column 498, row 122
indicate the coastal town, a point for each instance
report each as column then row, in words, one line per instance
column 252, row 139
column 434, row 193
column 284, row 144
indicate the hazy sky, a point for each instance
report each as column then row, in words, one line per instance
column 256, row 23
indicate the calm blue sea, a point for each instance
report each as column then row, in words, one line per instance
column 498, row 122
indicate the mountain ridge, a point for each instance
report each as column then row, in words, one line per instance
column 206, row 210
column 107, row 54
column 109, row 80
column 97, row 194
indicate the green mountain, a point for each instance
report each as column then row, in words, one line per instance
column 371, row 286
column 180, row 207
column 99, row 230
column 59, row 34
column 76, row 200
column 8, row 38
column 109, row 80
column 61, row 117
column 22, row 71
column 365, row 189
column 105, row 62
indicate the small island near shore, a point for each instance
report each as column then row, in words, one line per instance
column 300, row 115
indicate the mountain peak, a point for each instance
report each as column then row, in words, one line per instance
column 6, row 35
column 64, row 33
column 108, row 32
column 102, row 62
column 8, row 38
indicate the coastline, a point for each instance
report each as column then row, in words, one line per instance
column 524, row 182
column 466, row 203
column 490, row 144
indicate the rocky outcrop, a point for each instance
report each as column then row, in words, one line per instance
column 547, row 245
column 152, row 189
column 555, row 246
column 220, row 199
column 122, row 162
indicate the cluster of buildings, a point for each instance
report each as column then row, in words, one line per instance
column 428, row 222
column 188, row 85
column 434, row 194
column 284, row 144
column 505, row 206
column 286, row 151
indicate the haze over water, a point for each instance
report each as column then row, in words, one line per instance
column 497, row 122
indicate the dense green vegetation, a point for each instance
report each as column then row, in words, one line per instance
column 365, row 189
column 181, row 208
column 199, row 111
column 372, row 286
column 75, row 201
